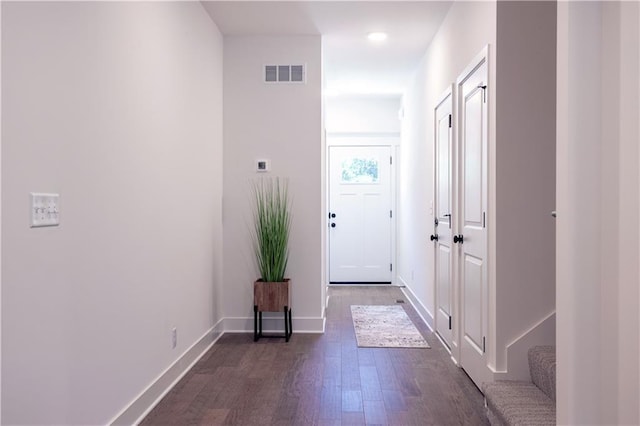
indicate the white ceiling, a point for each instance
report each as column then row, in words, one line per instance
column 352, row 64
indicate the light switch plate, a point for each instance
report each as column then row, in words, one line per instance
column 45, row 209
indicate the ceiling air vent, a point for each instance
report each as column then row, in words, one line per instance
column 284, row 74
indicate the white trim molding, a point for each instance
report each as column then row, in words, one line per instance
column 424, row 313
column 273, row 322
column 541, row 333
column 142, row 405
column 135, row 412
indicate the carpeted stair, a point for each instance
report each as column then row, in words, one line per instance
column 526, row 403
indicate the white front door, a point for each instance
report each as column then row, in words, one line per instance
column 442, row 235
column 471, row 221
column 360, row 214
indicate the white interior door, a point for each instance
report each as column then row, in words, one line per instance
column 442, row 233
column 471, row 221
column 360, row 214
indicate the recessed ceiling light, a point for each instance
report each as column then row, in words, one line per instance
column 377, row 36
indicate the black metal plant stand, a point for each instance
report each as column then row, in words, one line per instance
column 257, row 325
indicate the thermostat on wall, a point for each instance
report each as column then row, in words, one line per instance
column 262, row 165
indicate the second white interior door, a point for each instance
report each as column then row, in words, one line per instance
column 360, row 214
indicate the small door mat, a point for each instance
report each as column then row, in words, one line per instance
column 385, row 326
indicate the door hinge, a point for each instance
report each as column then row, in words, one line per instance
column 484, row 344
column 484, row 92
column 391, row 213
column 449, row 216
column 391, row 267
column 391, row 160
column 449, row 322
column 449, row 120
column 484, row 219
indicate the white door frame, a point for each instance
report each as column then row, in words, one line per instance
column 365, row 139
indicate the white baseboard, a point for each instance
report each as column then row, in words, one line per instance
column 424, row 313
column 326, row 300
column 274, row 323
column 541, row 333
column 135, row 412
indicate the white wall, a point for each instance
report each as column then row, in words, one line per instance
column 468, row 27
column 626, row 19
column 117, row 107
column 525, row 172
column 364, row 114
column 597, row 232
column 282, row 123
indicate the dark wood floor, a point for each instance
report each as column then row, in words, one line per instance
column 324, row 379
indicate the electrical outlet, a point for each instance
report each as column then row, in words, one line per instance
column 174, row 338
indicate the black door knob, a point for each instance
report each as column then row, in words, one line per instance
column 333, row 225
column 434, row 237
column 333, row 215
column 458, row 238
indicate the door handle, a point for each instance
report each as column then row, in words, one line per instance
column 434, row 237
column 458, row 238
column 333, row 225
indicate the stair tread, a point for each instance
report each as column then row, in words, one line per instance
column 519, row 403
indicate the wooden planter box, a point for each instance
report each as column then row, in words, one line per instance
column 271, row 297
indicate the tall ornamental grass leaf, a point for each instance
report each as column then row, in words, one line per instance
column 272, row 222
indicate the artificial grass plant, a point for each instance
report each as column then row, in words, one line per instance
column 272, row 222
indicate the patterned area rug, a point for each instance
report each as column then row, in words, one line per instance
column 385, row 326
